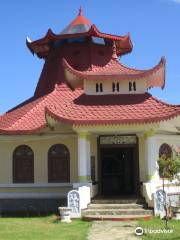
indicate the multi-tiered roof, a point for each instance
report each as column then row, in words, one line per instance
column 82, row 52
column 80, row 27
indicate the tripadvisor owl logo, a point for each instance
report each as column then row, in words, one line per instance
column 139, row 231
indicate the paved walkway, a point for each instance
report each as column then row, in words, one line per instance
column 109, row 230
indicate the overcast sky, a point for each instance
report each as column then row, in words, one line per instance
column 154, row 26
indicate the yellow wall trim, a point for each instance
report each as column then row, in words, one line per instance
column 149, row 133
column 150, row 177
column 84, row 135
column 84, row 178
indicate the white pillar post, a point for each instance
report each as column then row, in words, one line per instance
column 84, row 165
column 151, row 156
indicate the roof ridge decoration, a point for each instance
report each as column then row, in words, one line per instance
column 80, row 11
column 114, row 55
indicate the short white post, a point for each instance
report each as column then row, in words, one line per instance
column 65, row 214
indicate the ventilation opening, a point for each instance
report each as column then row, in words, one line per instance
column 99, row 87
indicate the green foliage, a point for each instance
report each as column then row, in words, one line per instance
column 42, row 228
column 157, row 223
column 169, row 167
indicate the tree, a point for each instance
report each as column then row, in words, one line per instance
column 169, row 168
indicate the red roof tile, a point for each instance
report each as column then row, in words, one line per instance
column 75, row 107
column 80, row 27
column 115, row 70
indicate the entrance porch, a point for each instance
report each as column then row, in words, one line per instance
column 117, row 163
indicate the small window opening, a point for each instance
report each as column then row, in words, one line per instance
column 117, row 87
column 97, row 87
column 101, row 87
column 113, row 87
column 134, row 86
column 130, row 86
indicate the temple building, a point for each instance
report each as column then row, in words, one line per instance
column 91, row 122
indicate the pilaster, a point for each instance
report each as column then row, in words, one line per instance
column 84, row 168
column 151, row 156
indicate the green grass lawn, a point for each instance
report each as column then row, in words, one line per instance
column 157, row 223
column 42, row 228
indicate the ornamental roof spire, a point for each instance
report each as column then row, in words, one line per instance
column 80, row 11
column 114, row 55
column 79, row 25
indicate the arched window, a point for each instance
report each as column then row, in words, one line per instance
column 165, row 150
column 130, row 86
column 23, row 165
column 58, row 163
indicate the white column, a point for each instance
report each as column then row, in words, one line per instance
column 151, row 156
column 84, row 165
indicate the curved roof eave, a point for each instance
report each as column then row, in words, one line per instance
column 155, row 76
column 41, row 46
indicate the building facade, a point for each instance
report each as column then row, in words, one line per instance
column 91, row 122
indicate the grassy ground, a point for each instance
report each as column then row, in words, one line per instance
column 42, row 228
column 157, row 223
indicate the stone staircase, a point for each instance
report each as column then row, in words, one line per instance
column 117, row 210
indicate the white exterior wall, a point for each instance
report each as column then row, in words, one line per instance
column 153, row 182
column 90, row 87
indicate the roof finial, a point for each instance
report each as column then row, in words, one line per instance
column 114, row 55
column 80, row 11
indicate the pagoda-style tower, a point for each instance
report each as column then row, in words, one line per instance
column 81, row 51
column 81, row 44
column 81, row 64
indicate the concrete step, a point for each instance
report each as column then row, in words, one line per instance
column 116, row 217
column 117, row 212
column 118, row 201
column 115, row 206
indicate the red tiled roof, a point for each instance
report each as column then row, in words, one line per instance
column 74, row 107
column 28, row 118
column 117, row 71
column 80, row 27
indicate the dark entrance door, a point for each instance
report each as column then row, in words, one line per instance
column 117, row 166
